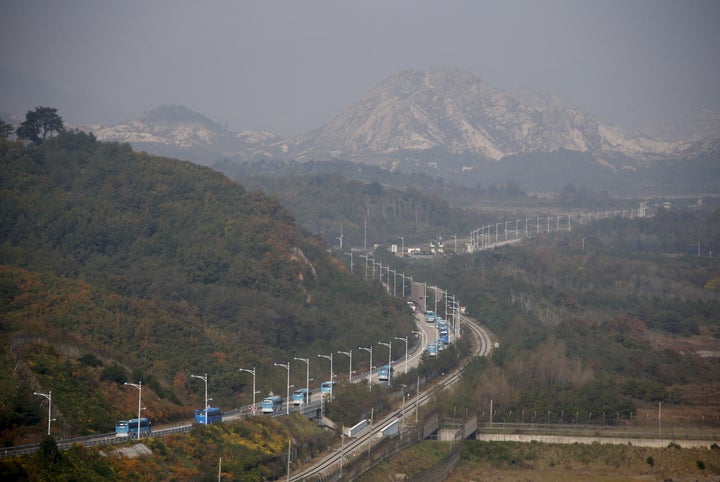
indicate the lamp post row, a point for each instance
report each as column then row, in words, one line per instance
column 253, row 372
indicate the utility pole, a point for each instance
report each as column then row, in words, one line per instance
column 49, row 397
column 348, row 353
column 365, row 239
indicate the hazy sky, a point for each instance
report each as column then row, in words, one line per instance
column 290, row 66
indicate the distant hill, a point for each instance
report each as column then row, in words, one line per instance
column 451, row 124
column 173, row 130
column 459, row 112
column 163, row 268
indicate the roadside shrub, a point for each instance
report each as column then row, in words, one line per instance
column 114, row 373
column 90, row 360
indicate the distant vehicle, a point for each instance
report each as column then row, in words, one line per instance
column 440, row 323
column 326, row 388
column 412, row 306
column 214, row 415
column 432, row 349
column 129, row 428
column 430, row 316
column 440, row 344
column 444, row 335
column 300, row 397
column 271, row 404
column 385, row 373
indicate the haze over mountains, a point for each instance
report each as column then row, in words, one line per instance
column 452, row 124
column 414, row 112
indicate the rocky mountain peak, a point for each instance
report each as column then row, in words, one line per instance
column 411, row 112
column 458, row 111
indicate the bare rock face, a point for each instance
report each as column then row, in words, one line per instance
column 177, row 130
column 459, row 112
column 409, row 113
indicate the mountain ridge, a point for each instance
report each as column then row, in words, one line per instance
column 410, row 113
column 457, row 110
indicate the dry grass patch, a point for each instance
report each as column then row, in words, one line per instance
column 510, row 461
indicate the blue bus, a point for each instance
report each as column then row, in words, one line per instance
column 271, row 404
column 326, row 388
column 432, row 349
column 300, row 397
column 385, row 373
column 430, row 316
column 208, row 415
column 129, row 428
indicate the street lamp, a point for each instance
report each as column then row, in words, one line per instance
column 366, row 263
column 205, row 379
column 253, row 374
column 49, row 397
column 138, row 385
column 389, row 345
column 370, row 350
column 307, row 377
column 329, row 357
column 405, row 339
column 348, row 353
column 287, row 396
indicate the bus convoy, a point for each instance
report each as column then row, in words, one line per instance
column 208, row 415
column 133, row 428
column 272, row 404
column 326, row 388
column 443, row 330
column 385, row 373
column 300, row 397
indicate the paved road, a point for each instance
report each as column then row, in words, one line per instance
column 358, row 445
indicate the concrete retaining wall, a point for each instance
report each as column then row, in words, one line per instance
column 562, row 439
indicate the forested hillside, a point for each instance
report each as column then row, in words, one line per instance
column 325, row 203
column 600, row 323
column 119, row 266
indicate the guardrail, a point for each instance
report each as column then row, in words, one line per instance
column 110, row 438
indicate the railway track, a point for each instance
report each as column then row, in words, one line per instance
column 351, row 448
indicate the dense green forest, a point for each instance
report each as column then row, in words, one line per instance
column 119, row 266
